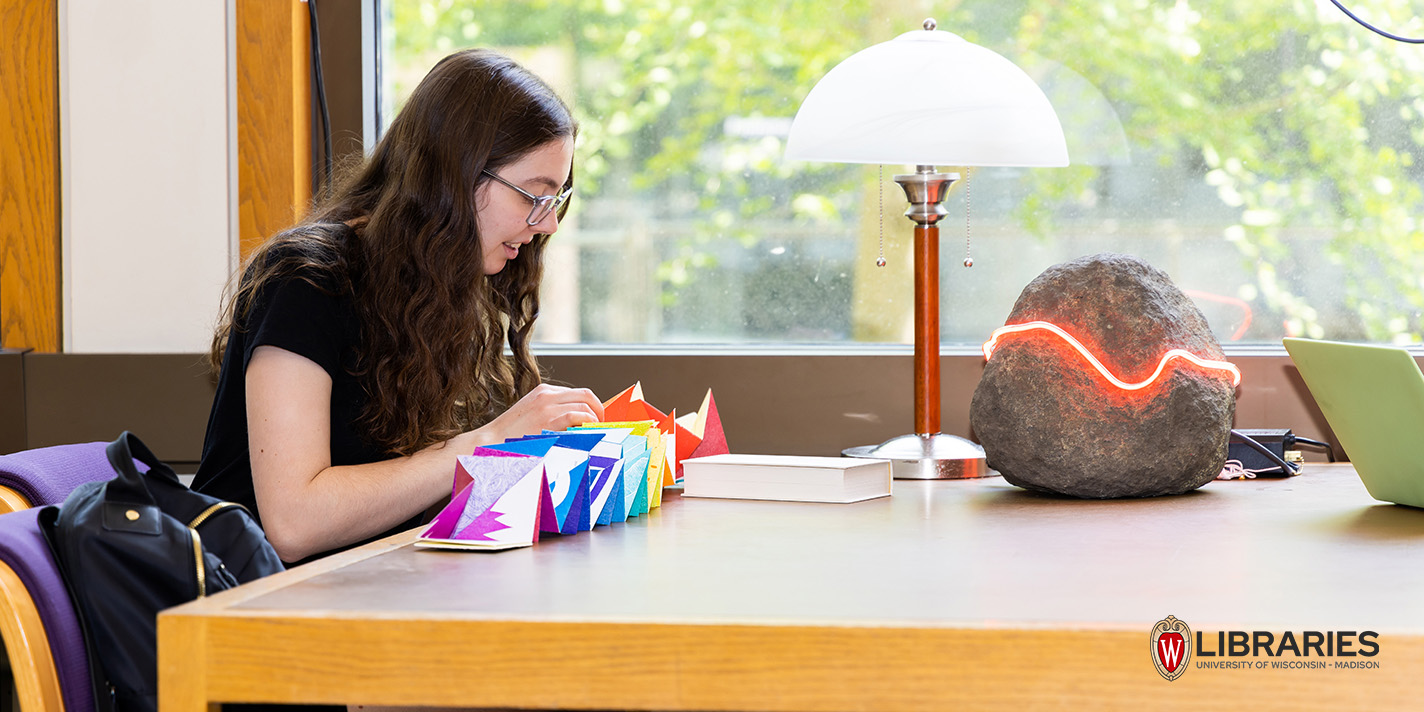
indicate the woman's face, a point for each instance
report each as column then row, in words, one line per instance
column 502, row 213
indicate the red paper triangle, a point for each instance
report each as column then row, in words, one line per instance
column 687, row 443
column 714, row 440
column 462, row 478
column 627, row 406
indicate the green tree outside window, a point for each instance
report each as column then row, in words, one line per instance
column 1262, row 153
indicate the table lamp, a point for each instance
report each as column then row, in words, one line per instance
column 927, row 98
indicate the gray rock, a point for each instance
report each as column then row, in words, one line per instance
column 1050, row 422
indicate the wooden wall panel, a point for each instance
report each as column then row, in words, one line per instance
column 273, row 117
column 29, row 176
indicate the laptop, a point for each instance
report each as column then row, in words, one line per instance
column 1373, row 398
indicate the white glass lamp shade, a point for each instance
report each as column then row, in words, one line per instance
column 927, row 97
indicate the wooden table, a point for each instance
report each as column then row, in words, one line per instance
column 945, row 595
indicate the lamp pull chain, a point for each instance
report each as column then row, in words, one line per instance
column 880, row 187
column 968, row 260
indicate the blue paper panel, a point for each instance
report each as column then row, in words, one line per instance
column 635, row 477
column 577, row 518
column 640, row 500
column 614, row 510
column 537, row 446
column 578, row 439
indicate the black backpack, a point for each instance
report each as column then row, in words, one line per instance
column 135, row 545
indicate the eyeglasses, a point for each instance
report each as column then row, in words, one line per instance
column 543, row 204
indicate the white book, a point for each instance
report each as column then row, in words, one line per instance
column 786, row 477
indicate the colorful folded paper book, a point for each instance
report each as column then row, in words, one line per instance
column 506, row 495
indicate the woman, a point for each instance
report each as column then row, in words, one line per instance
column 364, row 349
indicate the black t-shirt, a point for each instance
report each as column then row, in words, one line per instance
column 316, row 321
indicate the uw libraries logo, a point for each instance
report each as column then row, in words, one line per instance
column 1171, row 647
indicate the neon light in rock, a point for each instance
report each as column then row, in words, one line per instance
column 1209, row 364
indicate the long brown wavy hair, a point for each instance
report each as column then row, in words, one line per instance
column 433, row 325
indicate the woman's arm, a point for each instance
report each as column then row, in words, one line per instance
column 308, row 506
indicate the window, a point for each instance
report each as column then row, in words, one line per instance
column 1262, row 154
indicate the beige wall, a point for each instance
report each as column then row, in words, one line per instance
column 146, row 172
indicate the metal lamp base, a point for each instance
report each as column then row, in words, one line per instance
column 928, row 457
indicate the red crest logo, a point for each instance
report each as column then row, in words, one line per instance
column 1171, row 647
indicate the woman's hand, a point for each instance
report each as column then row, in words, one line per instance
column 547, row 408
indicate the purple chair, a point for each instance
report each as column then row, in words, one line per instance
column 46, row 475
column 43, row 639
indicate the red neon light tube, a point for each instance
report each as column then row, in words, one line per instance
column 1209, row 364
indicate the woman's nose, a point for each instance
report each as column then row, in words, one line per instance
column 549, row 224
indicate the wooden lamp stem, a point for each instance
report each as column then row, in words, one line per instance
column 927, row 329
column 927, row 454
column 926, row 189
